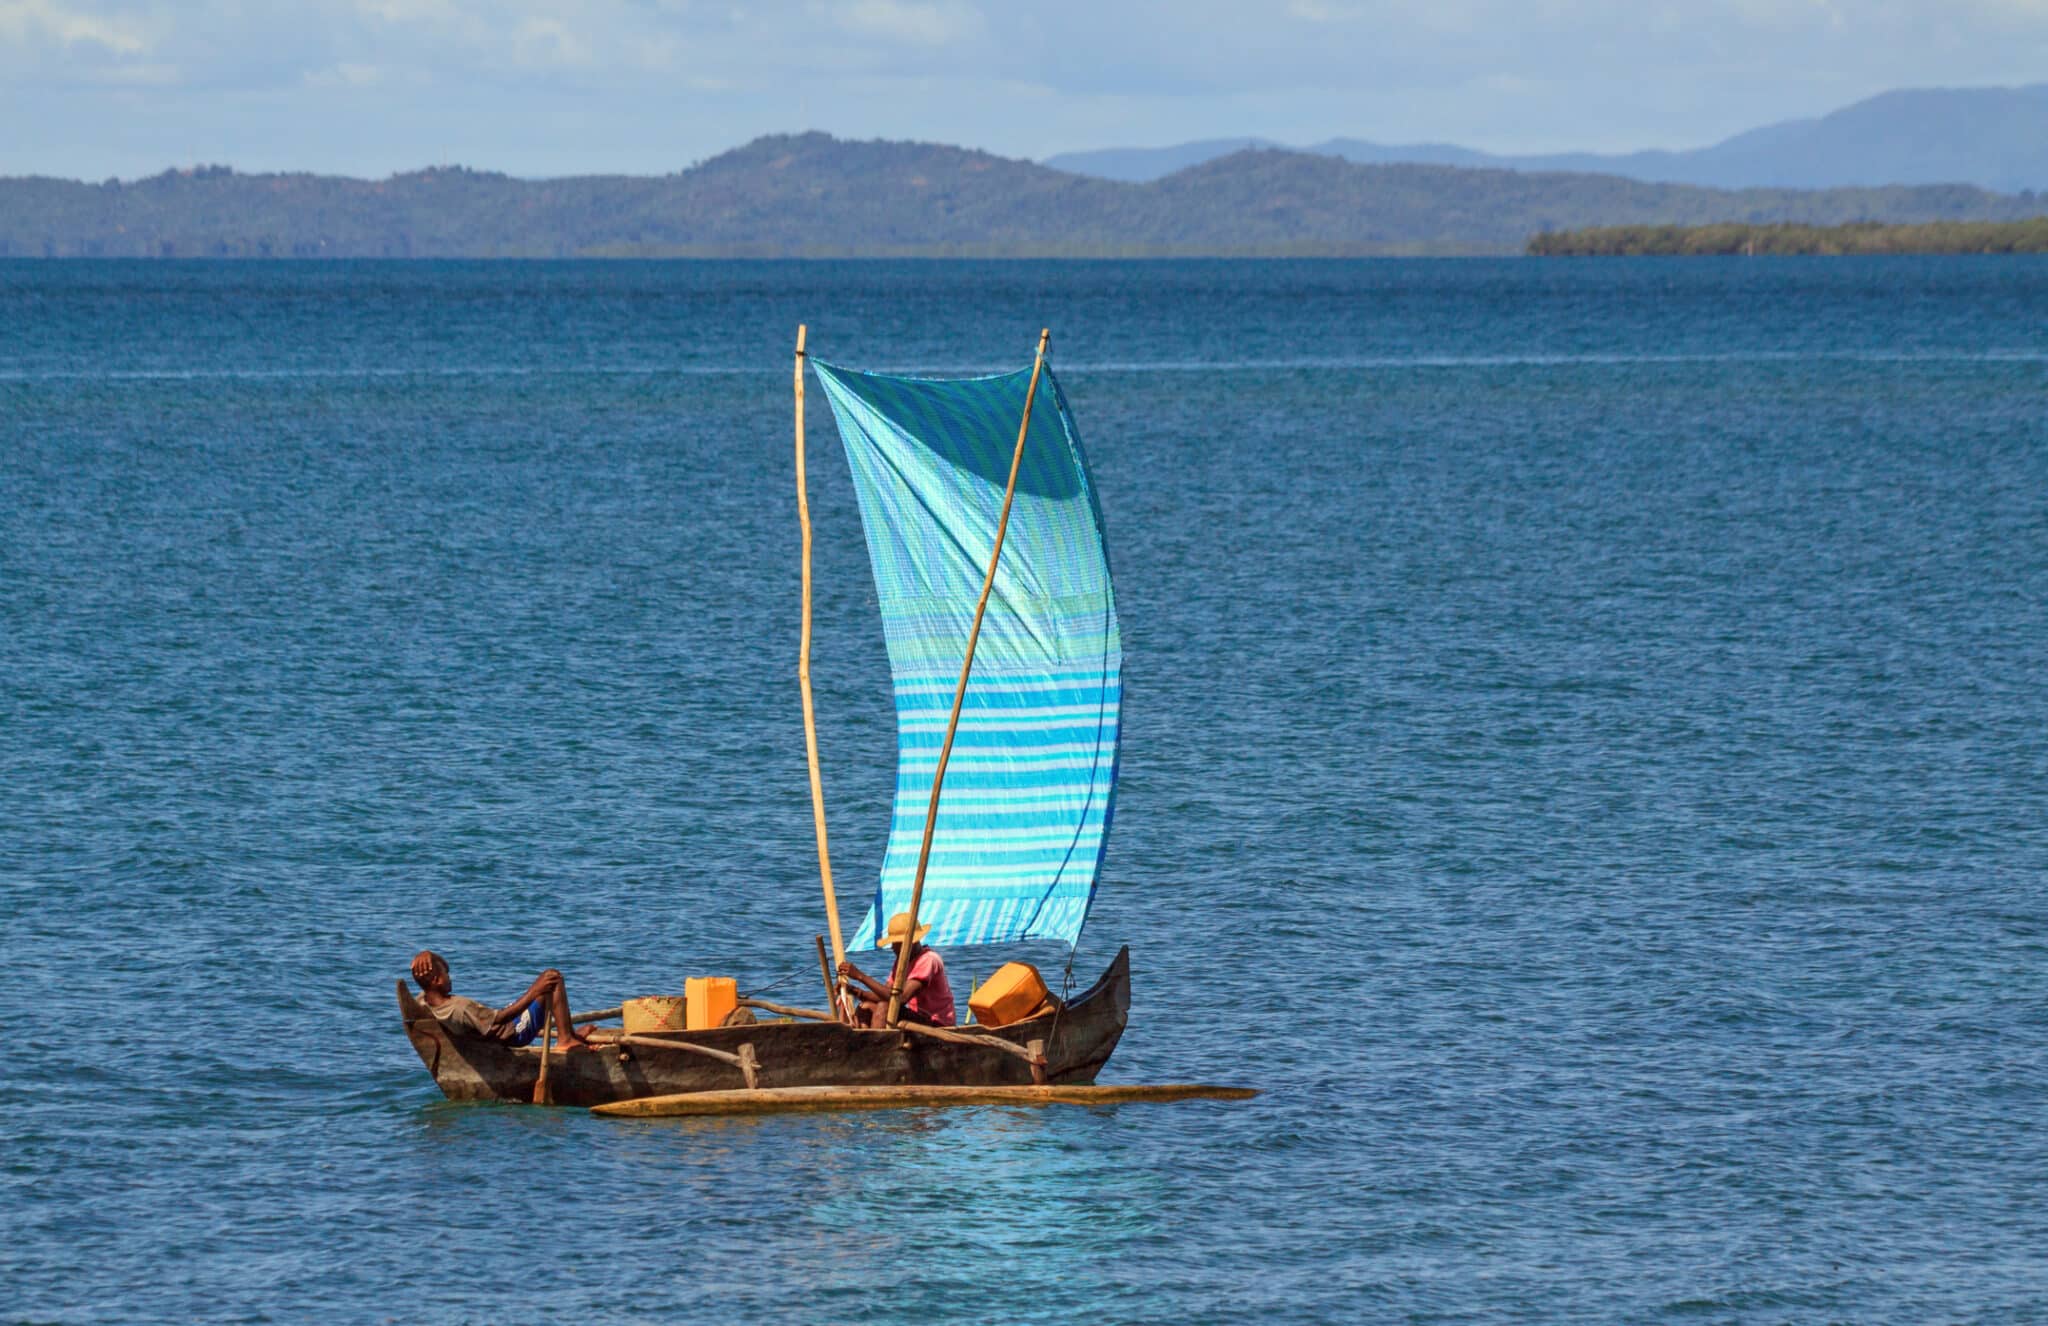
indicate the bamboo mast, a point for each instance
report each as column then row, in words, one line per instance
column 931, row 814
column 803, row 674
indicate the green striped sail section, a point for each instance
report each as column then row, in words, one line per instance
column 1030, row 789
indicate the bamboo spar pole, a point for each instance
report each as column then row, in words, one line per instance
column 803, row 675
column 988, row 582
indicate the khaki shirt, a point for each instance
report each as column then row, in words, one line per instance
column 470, row 1016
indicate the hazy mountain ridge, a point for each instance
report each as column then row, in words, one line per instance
column 1995, row 138
column 813, row 195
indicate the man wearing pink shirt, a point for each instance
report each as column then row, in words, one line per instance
column 927, row 998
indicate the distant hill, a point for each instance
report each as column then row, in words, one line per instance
column 1140, row 164
column 1995, row 138
column 813, row 195
column 1150, row 163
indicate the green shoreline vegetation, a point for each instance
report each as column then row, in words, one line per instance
column 1738, row 239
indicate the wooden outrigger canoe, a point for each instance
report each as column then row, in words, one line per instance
column 1029, row 826
column 1074, row 1043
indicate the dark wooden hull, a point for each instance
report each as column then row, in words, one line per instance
column 1078, row 1041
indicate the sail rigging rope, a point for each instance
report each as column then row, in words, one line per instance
column 1059, row 1010
column 777, row 982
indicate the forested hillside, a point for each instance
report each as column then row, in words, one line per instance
column 813, row 195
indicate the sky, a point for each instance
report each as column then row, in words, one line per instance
column 96, row 88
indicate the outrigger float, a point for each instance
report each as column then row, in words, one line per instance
column 1009, row 848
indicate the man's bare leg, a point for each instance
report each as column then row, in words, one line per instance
column 553, row 991
column 567, row 1036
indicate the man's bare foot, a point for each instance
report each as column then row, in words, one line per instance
column 577, row 1042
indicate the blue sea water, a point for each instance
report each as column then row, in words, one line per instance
column 1586, row 761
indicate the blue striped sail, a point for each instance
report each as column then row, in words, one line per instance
column 1025, row 811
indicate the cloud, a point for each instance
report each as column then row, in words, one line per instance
column 409, row 11
column 345, row 74
column 2034, row 12
column 542, row 87
column 31, row 20
column 546, row 41
column 913, row 24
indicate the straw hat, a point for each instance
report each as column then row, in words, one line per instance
column 898, row 924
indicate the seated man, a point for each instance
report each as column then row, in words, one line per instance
column 927, row 998
column 517, row 1023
